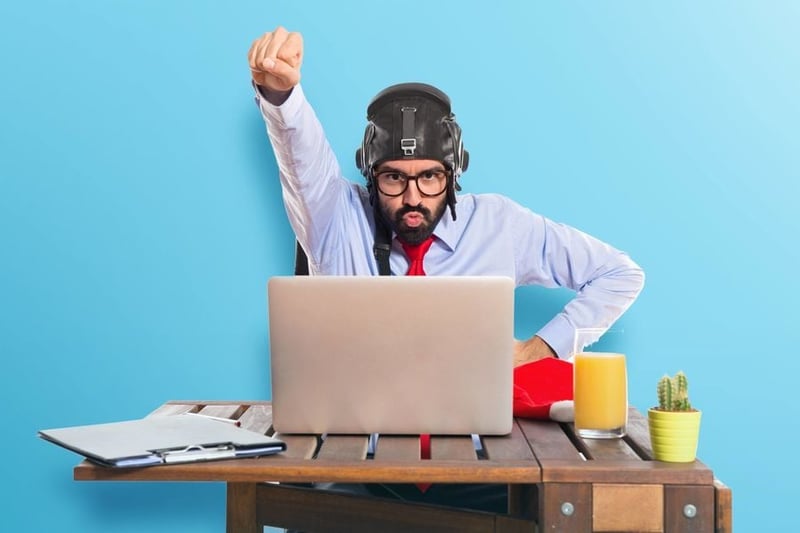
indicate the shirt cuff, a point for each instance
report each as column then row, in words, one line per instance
column 559, row 334
column 285, row 112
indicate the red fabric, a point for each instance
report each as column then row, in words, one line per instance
column 538, row 384
column 415, row 254
column 424, row 446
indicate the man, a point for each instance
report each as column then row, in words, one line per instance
column 412, row 157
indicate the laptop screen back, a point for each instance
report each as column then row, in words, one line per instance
column 392, row 355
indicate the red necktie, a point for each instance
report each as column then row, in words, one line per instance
column 415, row 254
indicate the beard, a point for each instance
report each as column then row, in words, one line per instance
column 413, row 235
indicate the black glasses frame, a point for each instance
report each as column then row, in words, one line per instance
column 408, row 178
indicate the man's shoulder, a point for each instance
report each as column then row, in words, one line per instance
column 485, row 202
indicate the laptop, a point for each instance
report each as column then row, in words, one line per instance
column 391, row 354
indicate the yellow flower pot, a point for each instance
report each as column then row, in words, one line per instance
column 674, row 435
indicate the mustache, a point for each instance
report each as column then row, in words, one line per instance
column 424, row 211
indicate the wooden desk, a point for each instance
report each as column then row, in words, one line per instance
column 555, row 479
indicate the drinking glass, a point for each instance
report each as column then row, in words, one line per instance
column 601, row 388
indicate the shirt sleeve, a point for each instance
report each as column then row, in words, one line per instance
column 606, row 281
column 311, row 179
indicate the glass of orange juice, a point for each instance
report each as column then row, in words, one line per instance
column 601, row 389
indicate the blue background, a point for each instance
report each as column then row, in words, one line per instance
column 140, row 213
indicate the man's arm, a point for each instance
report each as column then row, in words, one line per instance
column 276, row 98
column 311, row 179
column 605, row 280
column 532, row 349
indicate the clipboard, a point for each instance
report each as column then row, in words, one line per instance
column 162, row 440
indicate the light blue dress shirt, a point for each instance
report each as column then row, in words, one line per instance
column 492, row 235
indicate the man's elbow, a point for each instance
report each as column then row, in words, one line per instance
column 634, row 277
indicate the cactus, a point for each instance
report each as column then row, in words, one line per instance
column 664, row 393
column 673, row 393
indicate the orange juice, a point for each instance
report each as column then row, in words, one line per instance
column 601, row 394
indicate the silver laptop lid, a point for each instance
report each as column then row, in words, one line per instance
column 392, row 355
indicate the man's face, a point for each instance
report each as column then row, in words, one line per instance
column 412, row 215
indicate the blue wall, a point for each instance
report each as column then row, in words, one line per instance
column 140, row 216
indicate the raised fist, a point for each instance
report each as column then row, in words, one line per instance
column 275, row 59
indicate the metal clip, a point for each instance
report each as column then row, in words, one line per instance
column 198, row 453
column 408, row 146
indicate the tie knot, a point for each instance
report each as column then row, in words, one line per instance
column 415, row 252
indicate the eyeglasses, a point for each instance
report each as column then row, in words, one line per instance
column 395, row 183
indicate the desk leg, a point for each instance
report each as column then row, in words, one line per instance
column 565, row 507
column 241, row 509
column 723, row 498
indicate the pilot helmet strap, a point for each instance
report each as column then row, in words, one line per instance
column 408, row 143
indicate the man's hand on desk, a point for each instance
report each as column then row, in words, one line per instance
column 532, row 349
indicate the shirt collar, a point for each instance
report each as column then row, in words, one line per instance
column 449, row 231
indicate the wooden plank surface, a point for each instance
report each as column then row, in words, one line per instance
column 458, row 448
column 257, row 418
column 298, row 447
column 629, row 447
column 397, row 447
column 282, row 468
column 612, row 471
column 540, row 460
column 344, row 447
column 609, row 449
column 548, row 441
column 513, row 446
column 341, row 459
column 231, row 412
column 169, row 409
column 566, row 458
column 511, row 459
column 638, row 436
